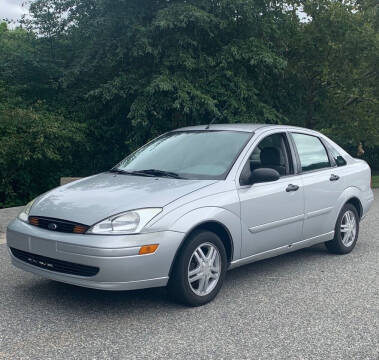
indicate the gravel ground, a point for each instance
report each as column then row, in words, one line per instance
column 304, row 305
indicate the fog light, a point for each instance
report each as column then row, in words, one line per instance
column 148, row 249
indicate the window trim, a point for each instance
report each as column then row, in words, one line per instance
column 295, row 155
column 300, row 169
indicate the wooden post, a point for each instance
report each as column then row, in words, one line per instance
column 66, row 180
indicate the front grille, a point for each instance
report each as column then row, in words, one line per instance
column 58, row 225
column 54, row 264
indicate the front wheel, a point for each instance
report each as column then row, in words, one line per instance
column 199, row 270
column 345, row 232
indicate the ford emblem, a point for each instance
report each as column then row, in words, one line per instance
column 52, row 226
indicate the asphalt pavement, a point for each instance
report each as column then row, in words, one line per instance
column 305, row 305
column 6, row 215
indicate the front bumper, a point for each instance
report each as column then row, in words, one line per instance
column 116, row 256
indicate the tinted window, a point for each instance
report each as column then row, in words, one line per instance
column 311, row 151
column 190, row 154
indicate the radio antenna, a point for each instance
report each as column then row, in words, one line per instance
column 207, row 127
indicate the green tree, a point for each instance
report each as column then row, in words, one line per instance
column 36, row 148
column 151, row 66
column 84, row 82
column 333, row 71
column 37, row 145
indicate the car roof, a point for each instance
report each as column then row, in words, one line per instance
column 231, row 127
column 240, row 127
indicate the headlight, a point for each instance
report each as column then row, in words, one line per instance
column 129, row 222
column 24, row 214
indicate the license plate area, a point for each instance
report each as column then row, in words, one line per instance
column 42, row 246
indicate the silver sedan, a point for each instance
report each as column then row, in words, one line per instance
column 191, row 204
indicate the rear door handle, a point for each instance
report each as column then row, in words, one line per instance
column 292, row 187
column 334, row 177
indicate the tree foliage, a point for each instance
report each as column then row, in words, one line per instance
column 84, row 82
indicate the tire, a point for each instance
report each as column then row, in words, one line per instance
column 183, row 287
column 342, row 244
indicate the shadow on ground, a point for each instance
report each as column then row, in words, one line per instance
column 74, row 296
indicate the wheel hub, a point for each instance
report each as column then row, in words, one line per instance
column 204, row 269
column 348, row 228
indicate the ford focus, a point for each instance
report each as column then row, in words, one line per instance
column 191, row 204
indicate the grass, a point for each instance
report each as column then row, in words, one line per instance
column 375, row 180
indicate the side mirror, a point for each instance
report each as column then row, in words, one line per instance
column 264, row 175
column 258, row 175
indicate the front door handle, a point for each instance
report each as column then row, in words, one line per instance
column 292, row 187
column 334, row 177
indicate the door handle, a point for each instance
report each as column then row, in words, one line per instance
column 334, row 177
column 292, row 187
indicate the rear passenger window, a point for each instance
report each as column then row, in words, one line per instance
column 311, row 151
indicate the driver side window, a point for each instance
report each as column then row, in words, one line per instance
column 271, row 152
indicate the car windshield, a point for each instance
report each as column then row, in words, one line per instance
column 187, row 155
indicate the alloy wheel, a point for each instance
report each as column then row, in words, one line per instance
column 204, row 269
column 348, row 228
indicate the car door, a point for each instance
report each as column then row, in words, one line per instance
column 322, row 183
column 271, row 212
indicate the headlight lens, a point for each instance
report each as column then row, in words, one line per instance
column 129, row 222
column 24, row 214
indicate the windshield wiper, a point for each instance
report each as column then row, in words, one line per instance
column 148, row 172
column 156, row 172
column 125, row 172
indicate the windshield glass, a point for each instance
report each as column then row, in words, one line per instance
column 189, row 154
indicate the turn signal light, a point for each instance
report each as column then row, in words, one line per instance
column 78, row 229
column 33, row 221
column 148, row 249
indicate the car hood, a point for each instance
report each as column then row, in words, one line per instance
column 92, row 199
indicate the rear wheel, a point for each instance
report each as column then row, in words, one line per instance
column 346, row 231
column 199, row 270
